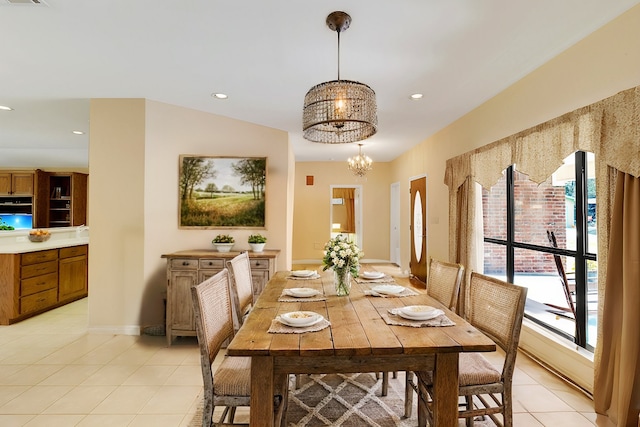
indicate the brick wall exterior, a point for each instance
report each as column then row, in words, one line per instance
column 537, row 209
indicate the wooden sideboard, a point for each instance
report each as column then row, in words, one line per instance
column 37, row 281
column 188, row 268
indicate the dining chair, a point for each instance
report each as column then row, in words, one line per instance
column 230, row 385
column 241, row 287
column 443, row 284
column 495, row 308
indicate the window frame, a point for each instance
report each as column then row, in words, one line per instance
column 580, row 254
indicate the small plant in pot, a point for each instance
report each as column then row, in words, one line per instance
column 257, row 242
column 223, row 242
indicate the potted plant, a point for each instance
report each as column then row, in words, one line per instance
column 223, row 242
column 257, row 242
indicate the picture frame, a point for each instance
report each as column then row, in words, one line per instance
column 222, row 192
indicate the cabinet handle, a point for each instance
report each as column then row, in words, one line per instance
column 185, row 262
column 210, row 263
column 42, row 283
column 41, row 300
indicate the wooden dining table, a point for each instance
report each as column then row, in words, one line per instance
column 357, row 340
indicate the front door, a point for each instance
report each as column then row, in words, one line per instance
column 418, row 250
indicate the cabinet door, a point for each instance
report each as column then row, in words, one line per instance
column 180, row 311
column 5, row 183
column 22, row 184
column 73, row 278
column 260, row 279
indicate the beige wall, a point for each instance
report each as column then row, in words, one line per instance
column 135, row 146
column 311, row 222
column 601, row 65
column 606, row 62
column 116, row 195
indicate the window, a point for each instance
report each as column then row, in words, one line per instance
column 544, row 237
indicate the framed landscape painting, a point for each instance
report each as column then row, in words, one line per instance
column 218, row 192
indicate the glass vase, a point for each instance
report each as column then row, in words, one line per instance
column 342, row 280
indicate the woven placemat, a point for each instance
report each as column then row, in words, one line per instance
column 278, row 327
column 391, row 318
column 384, row 279
column 284, row 297
column 314, row 276
column 406, row 293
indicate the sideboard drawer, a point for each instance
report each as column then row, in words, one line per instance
column 259, row 263
column 184, row 264
column 212, row 264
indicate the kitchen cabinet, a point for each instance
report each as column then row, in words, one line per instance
column 16, row 183
column 33, row 282
column 72, row 273
column 188, row 268
column 65, row 195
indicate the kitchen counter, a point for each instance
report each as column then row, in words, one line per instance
column 17, row 242
column 39, row 276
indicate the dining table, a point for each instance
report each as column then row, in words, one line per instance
column 359, row 334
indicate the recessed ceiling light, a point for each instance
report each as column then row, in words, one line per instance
column 5, row 108
column 416, row 96
column 219, row 95
column 77, row 132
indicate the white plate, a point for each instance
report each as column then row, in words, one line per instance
column 373, row 275
column 419, row 312
column 388, row 289
column 303, row 273
column 301, row 292
column 300, row 319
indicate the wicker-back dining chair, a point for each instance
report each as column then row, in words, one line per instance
column 229, row 386
column 496, row 308
column 443, row 284
column 241, row 287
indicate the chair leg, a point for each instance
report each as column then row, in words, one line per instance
column 385, row 383
column 207, row 413
column 507, row 407
column 469, row 400
column 408, row 394
column 422, row 404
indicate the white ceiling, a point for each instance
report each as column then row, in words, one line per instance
column 265, row 55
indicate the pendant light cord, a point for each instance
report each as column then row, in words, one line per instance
column 338, row 54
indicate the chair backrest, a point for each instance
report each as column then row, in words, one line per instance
column 214, row 323
column 496, row 308
column 241, row 286
column 444, row 282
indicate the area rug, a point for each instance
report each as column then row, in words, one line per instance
column 345, row 400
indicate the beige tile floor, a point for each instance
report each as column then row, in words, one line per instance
column 54, row 373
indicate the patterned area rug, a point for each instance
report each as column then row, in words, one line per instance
column 344, row 400
column 347, row 400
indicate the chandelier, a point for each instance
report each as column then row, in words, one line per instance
column 339, row 111
column 360, row 164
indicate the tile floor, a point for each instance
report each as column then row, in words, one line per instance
column 54, row 373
